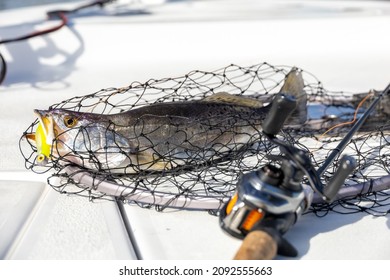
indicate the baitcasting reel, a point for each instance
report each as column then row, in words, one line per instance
column 272, row 198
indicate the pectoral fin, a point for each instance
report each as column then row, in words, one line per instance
column 150, row 161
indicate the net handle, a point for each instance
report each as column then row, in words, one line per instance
column 257, row 245
column 372, row 185
column 136, row 194
column 204, row 203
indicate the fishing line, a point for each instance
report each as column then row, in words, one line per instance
column 55, row 14
column 3, row 68
column 354, row 116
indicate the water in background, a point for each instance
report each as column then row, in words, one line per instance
column 11, row 4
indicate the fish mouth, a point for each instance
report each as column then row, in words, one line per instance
column 43, row 137
column 47, row 123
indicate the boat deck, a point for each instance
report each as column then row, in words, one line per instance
column 344, row 43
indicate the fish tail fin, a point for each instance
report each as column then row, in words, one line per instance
column 294, row 85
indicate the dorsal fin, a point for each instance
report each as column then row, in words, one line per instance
column 224, row 97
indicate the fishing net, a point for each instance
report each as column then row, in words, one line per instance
column 206, row 176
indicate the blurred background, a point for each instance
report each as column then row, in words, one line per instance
column 11, row 4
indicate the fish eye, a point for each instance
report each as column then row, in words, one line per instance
column 70, row 121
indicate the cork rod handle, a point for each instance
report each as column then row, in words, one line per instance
column 257, row 245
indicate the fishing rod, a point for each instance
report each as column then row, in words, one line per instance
column 269, row 201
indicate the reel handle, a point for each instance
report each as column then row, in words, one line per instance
column 257, row 245
column 347, row 165
column 282, row 107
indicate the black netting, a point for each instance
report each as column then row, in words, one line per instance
column 185, row 141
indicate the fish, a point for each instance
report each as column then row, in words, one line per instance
column 157, row 137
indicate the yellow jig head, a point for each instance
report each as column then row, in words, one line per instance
column 43, row 148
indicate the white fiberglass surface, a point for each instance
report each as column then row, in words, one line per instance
column 346, row 50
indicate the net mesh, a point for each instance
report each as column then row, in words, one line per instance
column 164, row 160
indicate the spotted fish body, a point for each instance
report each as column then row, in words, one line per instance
column 156, row 137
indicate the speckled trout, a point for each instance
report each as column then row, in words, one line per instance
column 155, row 137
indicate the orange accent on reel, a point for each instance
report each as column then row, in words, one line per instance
column 252, row 218
column 231, row 204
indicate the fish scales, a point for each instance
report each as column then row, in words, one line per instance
column 160, row 136
column 155, row 137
